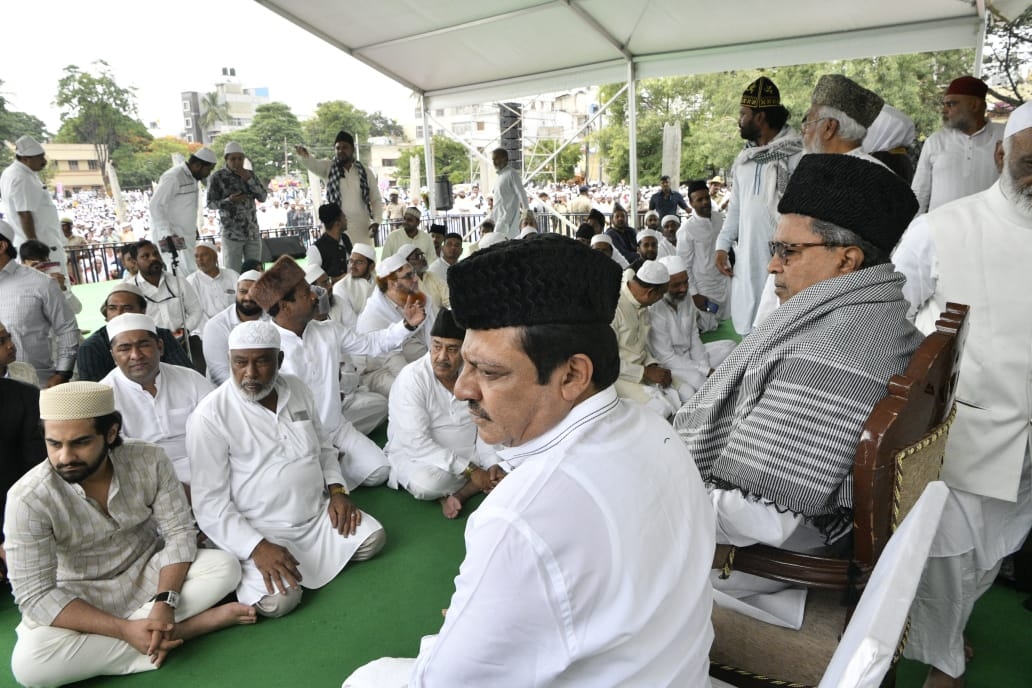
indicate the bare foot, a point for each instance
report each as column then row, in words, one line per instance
column 223, row 616
column 451, row 506
column 969, row 650
column 937, row 679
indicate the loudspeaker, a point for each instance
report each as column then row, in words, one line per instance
column 443, row 192
column 274, row 247
column 510, row 121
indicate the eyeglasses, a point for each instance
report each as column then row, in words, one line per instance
column 810, row 122
column 785, row 251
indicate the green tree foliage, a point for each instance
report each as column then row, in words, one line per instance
column 1008, row 51
column 382, row 125
column 14, row 124
column 560, row 169
column 96, row 110
column 268, row 142
column 137, row 169
column 450, row 158
column 329, row 118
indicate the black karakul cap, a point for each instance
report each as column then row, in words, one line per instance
column 550, row 281
column 446, row 327
column 858, row 195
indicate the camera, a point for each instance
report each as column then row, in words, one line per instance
column 171, row 244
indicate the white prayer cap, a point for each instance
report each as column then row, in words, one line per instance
column 413, row 212
column 669, row 218
column 601, row 239
column 1020, row 120
column 126, row 286
column 76, row 400
column 249, row 276
column 365, row 250
column 653, row 272
column 211, row 248
column 652, row 213
column 385, row 268
column 130, row 321
column 405, row 251
column 233, row 147
column 528, row 232
column 26, row 146
column 645, row 233
column 3, row 328
column 492, row 238
column 674, row 264
column 7, row 231
column 313, row 273
column 207, row 155
column 254, row 334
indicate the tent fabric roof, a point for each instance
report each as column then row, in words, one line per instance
column 456, row 52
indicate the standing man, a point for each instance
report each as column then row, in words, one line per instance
column 215, row 286
column 957, row 160
column 543, row 596
column 174, row 206
column 351, row 185
column 233, row 191
column 696, row 245
column 331, row 250
column 395, row 208
column 666, row 201
column 28, row 206
column 760, row 173
column 976, row 250
column 101, row 594
column 510, row 198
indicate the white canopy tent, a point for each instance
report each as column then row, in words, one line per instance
column 458, row 52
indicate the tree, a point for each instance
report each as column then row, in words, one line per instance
column 14, row 124
column 137, row 169
column 451, row 158
column 330, row 118
column 269, row 141
column 213, row 111
column 1008, row 52
column 561, row 168
column 382, row 125
column 96, row 110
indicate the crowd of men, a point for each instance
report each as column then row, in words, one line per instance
column 205, row 441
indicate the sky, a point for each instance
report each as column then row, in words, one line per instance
column 164, row 47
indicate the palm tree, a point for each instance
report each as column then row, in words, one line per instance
column 213, row 111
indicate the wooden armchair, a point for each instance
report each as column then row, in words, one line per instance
column 899, row 453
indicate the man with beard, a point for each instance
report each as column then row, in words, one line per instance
column 451, row 251
column 696, row 246
column 648, row 247
column 359, row 283
column 432, row 442
column 216, row 330
column 351, row 185
column 271, row 493
column 330, row 251
column 841, row 111
column 102, row 551
column 429, row 283
column 409, row 233
column 173, row 302
column 233, row 191
column 668, row 235
column 761, row 172
column 173, row 207
column 625, row 240
column 397, row 288
column 509, row 195
column 976, row 250
column 154, row 398
column 958, row 160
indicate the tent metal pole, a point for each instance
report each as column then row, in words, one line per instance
column 428, row 154
column 632, row 129
column 980, row 46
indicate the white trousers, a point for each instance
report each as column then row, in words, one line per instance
column 427, row 482
column 51, row 656
column 361, row 461
column 365, row 410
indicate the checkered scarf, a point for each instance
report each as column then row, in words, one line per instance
column 333, row 183
column 778, row 154
column 781, row 418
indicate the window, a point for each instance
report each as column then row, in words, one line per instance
column 480, row 126
column 186, row 106
column 388, row 162
column 92, row 164
column 188, row 122
column 73, row 165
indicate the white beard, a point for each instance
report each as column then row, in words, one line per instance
column 1021, row 197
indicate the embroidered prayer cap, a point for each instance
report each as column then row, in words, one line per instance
column 206, row 155
column 493, row 238
column 968, row 86
column 446, row 327
column 313, row 273
column 854, row 194
column 345, row 137
column 365, row 250
column 842, row 93
column 601, row 239
column 233, row 147
column 249, row 276
column 254, row 334
column 1020, row 120
column 761, row 94
column 653, row 273
column 646, row 233
column 127, row 322
column 276, row 282
column 76, row 400
column 126, row 287
column 528, row 232
column 670, row 218
column 551, row 280
column 396, row 262
column 7, row 231
column 28, row 147
column 413, row 212
column 674, row 264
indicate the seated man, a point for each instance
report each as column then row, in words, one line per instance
column 774, row 430
column 648, row 247
column 10, row 367
column 95, row 359
column 272, row 493
column 20, row 437
column 217, row 329
column 360, row 281
column 102, row 551
column 215, row 286
column 154, row 398
column 432, row 443
column 429, row 283
column 582, row 568
column 409, row 233
column 397, row 286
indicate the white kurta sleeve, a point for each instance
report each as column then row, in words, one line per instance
column 742, row 521
column 374, row 343
column 375, row 199
column 313, row 256
column 922, row 184
column 195, row 318
column 915, row 258
column 160, row 219
column 729, row 232
column 321, row 168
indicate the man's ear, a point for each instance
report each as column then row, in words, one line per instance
column 576, row 377
column 852, row 259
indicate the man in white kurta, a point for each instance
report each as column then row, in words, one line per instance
column 510, row 198
column 397, row 283
column 409, row 233
column 360, row 281
column 976, row 251
column 697, row 246
column 215, row 286
column 174, row 206
column 154, row 398
column 27, row 205
column 273, row 484
column 217, row 329
column 565, row 580
column 171, row 300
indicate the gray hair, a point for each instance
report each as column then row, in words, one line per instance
column 849, row 128
column 831, row 233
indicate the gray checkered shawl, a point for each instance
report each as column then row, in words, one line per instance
column 781, row 418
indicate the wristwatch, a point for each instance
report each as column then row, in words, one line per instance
column 169, row 597
column 468, row 471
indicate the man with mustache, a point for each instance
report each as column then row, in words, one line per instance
column 216, row 331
